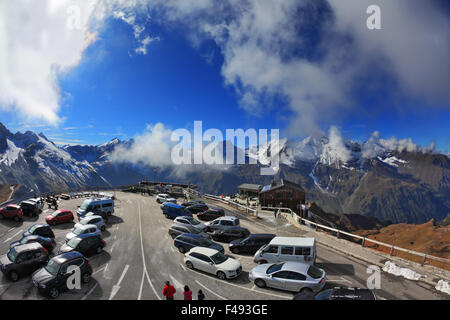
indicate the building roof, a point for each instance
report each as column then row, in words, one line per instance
column 250, row 186
column 281, row 183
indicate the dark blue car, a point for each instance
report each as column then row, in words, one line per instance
column 172, row 210
column 186, row 241
column 47, row 243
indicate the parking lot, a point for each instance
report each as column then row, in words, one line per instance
column 140, row 256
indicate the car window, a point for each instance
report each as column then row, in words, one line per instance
column 299, row 251
column 227, row 223
column 315, row 272
column 282, row 275
column 287, row 250
column 296, row 276
column 37, row 254
column 203, row 257
column 271, row 249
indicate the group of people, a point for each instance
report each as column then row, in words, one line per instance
column 169, row 292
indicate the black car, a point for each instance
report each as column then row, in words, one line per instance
column 87, row 244
column 52, row 279
column 211, row 214
column 23, row 260
column 230, row 234
column 251, row 244
column 29, row 208
column 186, row 241
column 198, row 207
column 338, row 293
column 42, row 230
column 48, row 243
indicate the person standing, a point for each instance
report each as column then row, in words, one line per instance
column 168, row 291
column 187, row 293
column 200, row 295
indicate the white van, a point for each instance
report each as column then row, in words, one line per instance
column 96, row 205
column 287, row 249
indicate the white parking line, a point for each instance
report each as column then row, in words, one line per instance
column 90, row 291
column 182, row 267
column 20, row 231
column 216, row 294
column 102, row 268
column 116, row 287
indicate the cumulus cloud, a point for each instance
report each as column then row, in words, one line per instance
column 335, row 150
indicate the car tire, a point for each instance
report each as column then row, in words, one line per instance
column 221, row 275
column 305, row 290
column 86, row 277
column 189, row 265
column 181, row 249
column 14, row 276
column 260, row 283
column 99, row 250
column 16, row 219
column 53, row 293
column 235, row 250
column 103, row 228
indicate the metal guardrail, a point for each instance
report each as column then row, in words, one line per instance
column 288, row 212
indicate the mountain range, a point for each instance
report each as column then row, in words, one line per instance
column 387, row 179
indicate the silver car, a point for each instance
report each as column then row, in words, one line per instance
column 84, row 229
column 190, row 222
column 176, row 229
column 289, row 276
column 97, row 220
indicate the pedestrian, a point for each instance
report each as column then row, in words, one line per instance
column 200, row 295
column 168, row 291
column 187, row 293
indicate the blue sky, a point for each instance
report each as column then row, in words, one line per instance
column 115, row 92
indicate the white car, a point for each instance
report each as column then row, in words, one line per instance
column 97, row 220
column 213, row 262
column 84, row 229
column 189, row 221
column 38, row 202
column 164, row 197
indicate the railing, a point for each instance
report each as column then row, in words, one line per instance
column 297, row 220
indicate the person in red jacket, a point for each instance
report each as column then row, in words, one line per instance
column 187, row 293
column 168, row 291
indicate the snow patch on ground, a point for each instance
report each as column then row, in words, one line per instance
column 393, row 161
column 11, row 154
column 392, row 268
column 443, row 286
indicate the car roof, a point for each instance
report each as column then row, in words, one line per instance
column 173, row 205
column 184, row 217
column 293, row 241
column 229, row 218
column 86, row 226
column 62, row 210
column 206, row 251
column 295, row 266
column 86, row 235
column 163, row 194
column 13, row 205
column 262, row 235
column 192, row 235
column 92, row 217
column 67, row 256
column 28, row 246
column 39, row 225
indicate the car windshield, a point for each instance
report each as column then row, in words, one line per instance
column 73, row 242
column 194, row 222
column 32, row 228
column 204, row 242
column 78, row 231
column 274, row 268
column 84, row 205
column 12, row 254
column 219, row 258
column 52, row 267
column 23, row 241
column 84, row 221
column 315, row 272
column 54, row 214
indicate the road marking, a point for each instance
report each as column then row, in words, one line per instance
column 112, row 247
column 46, row 210
column 176, row 283
column 342, row 279
column 90, row 291
column 143, row 257
column 10, row 230
column 116, row 287
column 182, row 267
column 13, row 236
column 207, row 289
column 102, row 268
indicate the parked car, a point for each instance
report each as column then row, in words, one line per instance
column 23, row 260
column 52, row 278
column 230, row 234
column 185, row 220
column 198, row 207
column 102, row 214
column 87, row 244
column 338, row 293
column 251, row 244
column 12, row 211
column 65, row 197
column 91, row 229
column 210, row 214
column 289, row 276
column 39, row 202
column 172, row 210
column 176, row 229
column 42, row 230
column 186, row 241
column 59, row 216
column 97, row 220
column 295, row 249
column 164, row 197
column 213, row 262
column 192, row 202
column 94, row 205
column 48, row 243
column 222, row 223
column 29, row 208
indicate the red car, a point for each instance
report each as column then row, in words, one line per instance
column 11, row 211
column 210, row 214
column 59, row 216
